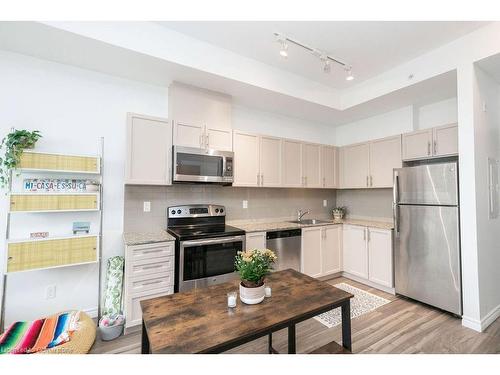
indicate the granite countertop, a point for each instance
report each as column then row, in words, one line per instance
column 254, row 226
column 140, row 238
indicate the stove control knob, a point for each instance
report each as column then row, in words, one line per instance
column 172, row 212
column 179, row 212
column 216, row 210
column 221, row 210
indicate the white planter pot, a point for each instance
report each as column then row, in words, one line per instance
column 338, row 216
column 252, row 296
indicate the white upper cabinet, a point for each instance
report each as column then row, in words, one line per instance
column 417, row 145
column 428, row 143
column 355, row 254
column 149, row 145
column 329, row 167
column 311, row 251
column 270, row 161
column 331, row 249
column 380, row 257
column 385, row 155
column 219, row 139
column 311, row 165
column 200, row 136
column 292, row 164
column 246, row 159
column 355, row 166
column 445, row 140
column 189, row 135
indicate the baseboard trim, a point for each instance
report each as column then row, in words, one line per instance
column 92, row 312
column 471, row 323
column 369, row 283
column 490, row 318
column 481, row 325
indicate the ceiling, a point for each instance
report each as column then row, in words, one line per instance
column 370, row 47
column 42, row 41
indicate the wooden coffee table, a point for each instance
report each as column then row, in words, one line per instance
column 199, row 321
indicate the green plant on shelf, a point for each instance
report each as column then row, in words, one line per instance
column 12, row 147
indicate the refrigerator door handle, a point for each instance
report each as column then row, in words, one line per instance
column 395, row 208
column 395, row 188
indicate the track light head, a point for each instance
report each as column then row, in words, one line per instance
column 284, row 49
column 327, row 67
column 281, row 39
column 349, row 76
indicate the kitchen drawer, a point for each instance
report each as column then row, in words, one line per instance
column 150, row 266
column 133, row 304
column 150, row 251
column 148, row 282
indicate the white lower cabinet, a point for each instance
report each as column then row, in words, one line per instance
column 380, row 257
column 367, row 254
column 321, row 250
column 355, row 251
column 311, row 251
column 149, row 273
column 331, row 250
column 256, row 240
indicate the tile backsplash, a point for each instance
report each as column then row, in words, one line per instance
column 263, row 203
column 367, row 203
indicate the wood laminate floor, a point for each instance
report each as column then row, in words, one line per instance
column 401, row 326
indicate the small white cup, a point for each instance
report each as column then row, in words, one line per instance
column 231, row 299
column 268, row 291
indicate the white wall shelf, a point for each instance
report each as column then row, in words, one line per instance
column 85, row 253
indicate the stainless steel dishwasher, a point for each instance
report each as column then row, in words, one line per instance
column 287, row 245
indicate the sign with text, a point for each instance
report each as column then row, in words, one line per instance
column 47, row 185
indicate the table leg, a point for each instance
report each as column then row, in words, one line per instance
column 145, row 340
column 346, row 325
column 291, row 339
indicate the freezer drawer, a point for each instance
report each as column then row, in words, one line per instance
column 432, row 184
column 427, row 256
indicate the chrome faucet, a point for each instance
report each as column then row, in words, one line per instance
column 300, row 214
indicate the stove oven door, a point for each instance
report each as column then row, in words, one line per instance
column 206, row 262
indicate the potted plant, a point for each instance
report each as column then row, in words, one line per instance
column 13, row 145
column 253, row 266
column 338, row 213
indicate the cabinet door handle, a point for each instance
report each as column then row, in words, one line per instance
column 367, row 181
column 428, row 147
column 201, row 140
column 435, row 147
column 371, row 180
column 368, row 234
column 364, row 234
column 207, row 142
column 324, row 181
column 258, row 179
column 262, row 180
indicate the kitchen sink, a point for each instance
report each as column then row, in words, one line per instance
column 309, row 221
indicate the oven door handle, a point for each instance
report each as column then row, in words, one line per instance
column 212, row 241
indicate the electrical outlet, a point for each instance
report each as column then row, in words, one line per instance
column 245, row 204
column 147, row 206
column 325, row 203
column 50, row 292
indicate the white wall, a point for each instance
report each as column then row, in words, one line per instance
column 251, row 120
column 487, row 145
column 399, row 121
column 72, row 108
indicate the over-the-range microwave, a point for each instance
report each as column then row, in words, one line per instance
column 202, row 165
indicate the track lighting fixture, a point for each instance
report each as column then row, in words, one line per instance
column 324, row 57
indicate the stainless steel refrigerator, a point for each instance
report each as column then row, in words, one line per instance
column 427, row 235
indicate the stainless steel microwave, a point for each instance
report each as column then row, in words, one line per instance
column 202, row 165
